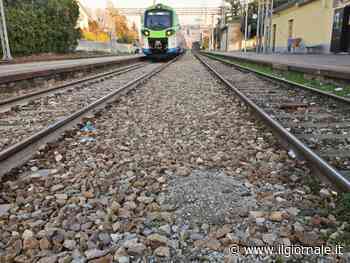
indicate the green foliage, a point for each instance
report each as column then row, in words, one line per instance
column 41, row 26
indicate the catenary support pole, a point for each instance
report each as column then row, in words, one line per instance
column 258, row 29
column 266, row 24
column 269, row 39
column 246, row 26
column 3, row 34
column 270, row 27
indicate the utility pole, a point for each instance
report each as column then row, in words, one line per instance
column 266, row 24
column 270, row 26
column 213, row 26
column 262, row 25
column 246, row 26
column 3, row 34
column 258, row 29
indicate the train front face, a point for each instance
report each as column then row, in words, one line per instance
column 159, row 31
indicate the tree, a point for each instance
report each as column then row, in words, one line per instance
column 122, row 30
column 205, row 44
column 37, row 26
column 93, row 27
column 95, row 33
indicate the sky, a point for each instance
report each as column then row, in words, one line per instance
column 146, row 3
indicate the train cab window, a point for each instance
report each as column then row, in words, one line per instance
column 158, row 20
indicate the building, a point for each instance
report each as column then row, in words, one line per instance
column 299, row 26
column 311, row 26
column 84, row 17
column 230, row 37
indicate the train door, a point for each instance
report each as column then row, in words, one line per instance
column 341, row 30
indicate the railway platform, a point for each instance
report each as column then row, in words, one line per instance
column 17, row 72
column 327, row 65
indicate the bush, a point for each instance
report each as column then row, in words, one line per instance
column 41, row 26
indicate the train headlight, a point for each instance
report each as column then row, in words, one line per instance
column 170, row 32
column 146, row 33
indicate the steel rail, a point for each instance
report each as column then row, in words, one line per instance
column 275, row 78
column 9, row 154
column 36, row 94
column 315, row 161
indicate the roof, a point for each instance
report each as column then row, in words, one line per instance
column 291, row 4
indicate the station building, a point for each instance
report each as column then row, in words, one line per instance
column 312, row 26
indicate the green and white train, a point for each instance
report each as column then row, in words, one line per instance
column 161, row 32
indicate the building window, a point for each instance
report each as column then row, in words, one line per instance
column 290, row 28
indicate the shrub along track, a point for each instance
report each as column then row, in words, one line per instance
column 178, row 171
column 319, row 120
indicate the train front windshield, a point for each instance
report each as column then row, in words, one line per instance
column 158, row 20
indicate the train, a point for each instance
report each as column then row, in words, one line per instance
column 161, row 32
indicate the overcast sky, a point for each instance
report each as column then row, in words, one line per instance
column 145, row 3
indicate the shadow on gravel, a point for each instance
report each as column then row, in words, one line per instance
column 208, row 197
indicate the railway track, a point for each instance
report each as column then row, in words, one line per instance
column 34, row 119
column 178, row 171
column 313, row 125
column 13, row 100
